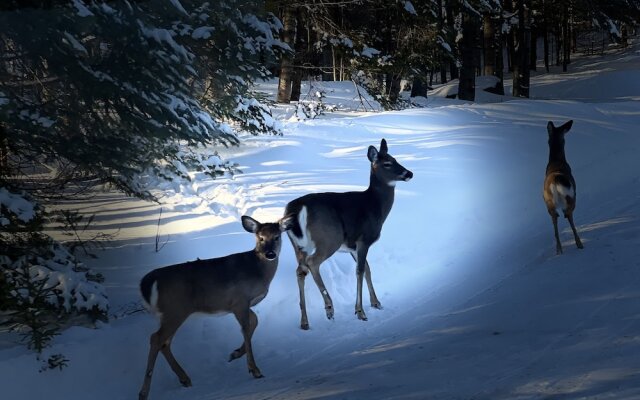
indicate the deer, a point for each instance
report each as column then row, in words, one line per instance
column 230, row 284
column 324, row 223
column 559, row 189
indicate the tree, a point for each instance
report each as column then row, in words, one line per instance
column 117, row 93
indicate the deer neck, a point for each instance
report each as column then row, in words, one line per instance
column 382, row 191
column 556, row 154
column 267, row 267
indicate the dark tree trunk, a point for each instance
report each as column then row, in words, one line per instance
column 394, row 82
column 286, row 62
column 418, row 88
column 299, row 59
column 443, row 64
column 489, row 45
column 566, row 38
column 533, row 48
column 558, row 41
column 467, row 84
column 451, row 9
column 521, row 60
column 545, row 35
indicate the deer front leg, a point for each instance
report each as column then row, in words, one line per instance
column 360, row 269
column 375, row 303
column 575, row 231
column 248, row 319
column 554, row 219
column 241, row 350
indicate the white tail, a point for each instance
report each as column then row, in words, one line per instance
column 328, row 222
column 231, row 284
column 559, row 188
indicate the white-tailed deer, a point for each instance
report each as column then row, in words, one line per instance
column 559, row 190
column 324, row 223
column 231, row 284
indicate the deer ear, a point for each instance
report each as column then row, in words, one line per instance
column 372, row 154
column 567, row 126
column 287, row 222
column 383, row 147
column 550, row 128
column 250, row 224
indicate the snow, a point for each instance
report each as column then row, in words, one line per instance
column 477, row 304
column 83, row 11
column 369, row 52
column 75, row 43
column 203, row 32
column 409, row 8
column 22, row 208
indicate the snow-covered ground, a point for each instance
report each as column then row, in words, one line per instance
column 476, row 303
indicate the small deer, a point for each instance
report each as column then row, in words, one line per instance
column 231, row 284
column 559, row 190
column 323, row 223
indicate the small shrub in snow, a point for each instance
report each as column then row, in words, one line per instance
column 42, row 284
column 311, row 109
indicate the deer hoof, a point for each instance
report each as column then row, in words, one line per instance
column 186, row 382
column 142, row 396
column 237, row 353
column 304, row 327
column 376, row 304
column 329, row 312
column 361, row 315
column 256, row 373
column 580, row 246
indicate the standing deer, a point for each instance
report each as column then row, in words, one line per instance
column 231, row 284
column 323, row 223
column 559, row 190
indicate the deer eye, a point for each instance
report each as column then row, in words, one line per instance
column 387, row 164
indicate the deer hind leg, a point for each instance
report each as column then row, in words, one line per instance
column 554, row 219
column 569, row 216
column 158, row 342
column 375, row 303
column 248, row 322
column 301, row 273
column 242, row 350
column 173, row 363
column 314, row 268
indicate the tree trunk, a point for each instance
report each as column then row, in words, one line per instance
column 394, row 82
column 467, row 84
column 450, row 24
column 418, row 88
column 286, row 62
column 566, row 40
column 443, row 64
column 521, row 60
column 533, row 47
column 299, row 59
column 489, row 45
column 545, row 36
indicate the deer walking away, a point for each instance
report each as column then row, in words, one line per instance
column 231, row 284
column 559, row 190
column 323, row 223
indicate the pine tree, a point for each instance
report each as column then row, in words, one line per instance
column 119, row 93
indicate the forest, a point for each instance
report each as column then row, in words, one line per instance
column 150, row 124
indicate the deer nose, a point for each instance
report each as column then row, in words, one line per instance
column 270, row 255
column 408, row 175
